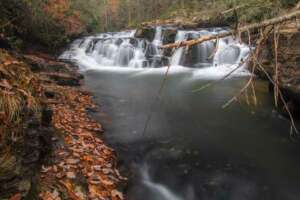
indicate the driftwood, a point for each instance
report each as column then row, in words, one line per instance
column 269, row 22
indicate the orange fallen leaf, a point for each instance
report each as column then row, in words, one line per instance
column 16, row 197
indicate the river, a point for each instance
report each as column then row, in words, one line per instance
column 181, row 143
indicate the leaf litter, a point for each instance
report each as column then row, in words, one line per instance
column 83, row 166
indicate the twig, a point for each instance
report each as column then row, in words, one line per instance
column 235, row 98
column 276, row 79
column 158, row 97
column 266, row 23
column 8, row 23
column 281, row 96
column 233, row 9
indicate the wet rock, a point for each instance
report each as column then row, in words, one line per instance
column 40, row 63
column 289, row 68
column 118, row 42
column 151, row 50
column 169, row 35
column 91, row 46
column 47, row 115
column 19, row 168
column 146, row 33
column 159, row 61
column 64, row 79
column 133, row 41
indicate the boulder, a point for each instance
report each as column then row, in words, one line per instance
column 169, row 35
column 146, row 33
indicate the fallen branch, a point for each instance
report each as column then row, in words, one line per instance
column 233, row 9
column 269, row 22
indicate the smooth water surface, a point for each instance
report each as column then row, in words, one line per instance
column 191, row 148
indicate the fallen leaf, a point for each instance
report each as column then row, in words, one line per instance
column 116, row 193
column 16, row 197
column 5, row 84
column 71, row 175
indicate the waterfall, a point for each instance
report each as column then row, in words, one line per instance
column 177, row 56
column 123, row 49
column 158, row 36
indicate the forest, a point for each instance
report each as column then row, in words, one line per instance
column 149, row 99
column 36, row 19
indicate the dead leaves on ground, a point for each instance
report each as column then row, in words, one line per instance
column 20, row 89
column 84, row 167
column 17, row 196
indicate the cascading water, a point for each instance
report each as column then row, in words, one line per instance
column 192, row 149
column 123, row 49
column 161, row 191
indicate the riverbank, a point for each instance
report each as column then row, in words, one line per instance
column 67, row 157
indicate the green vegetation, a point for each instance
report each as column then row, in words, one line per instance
column 246, row 10
column 52, row 23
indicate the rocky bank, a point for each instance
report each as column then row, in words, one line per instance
column 54, row 151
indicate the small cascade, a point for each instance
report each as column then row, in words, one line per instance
column 177, row 56
column 123, row 49
column 158, row 36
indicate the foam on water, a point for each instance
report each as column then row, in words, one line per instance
column 161, row 191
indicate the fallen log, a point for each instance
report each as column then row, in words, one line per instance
column 269, row 22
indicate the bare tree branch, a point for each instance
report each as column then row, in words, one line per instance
column 269, row 22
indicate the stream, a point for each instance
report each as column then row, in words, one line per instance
column 181, row 144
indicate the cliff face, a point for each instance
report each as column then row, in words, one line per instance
column 288, row 62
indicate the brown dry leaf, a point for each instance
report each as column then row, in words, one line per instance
column 6, row 63
column 71, row 175
column 4, row 71
column 88, row 158
column 2, row 116
column 16, row 197
column 45, row 169
column 5, row 84
column 68, row 185
column 117, row 194
column 46, row 196
column 72, row 161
